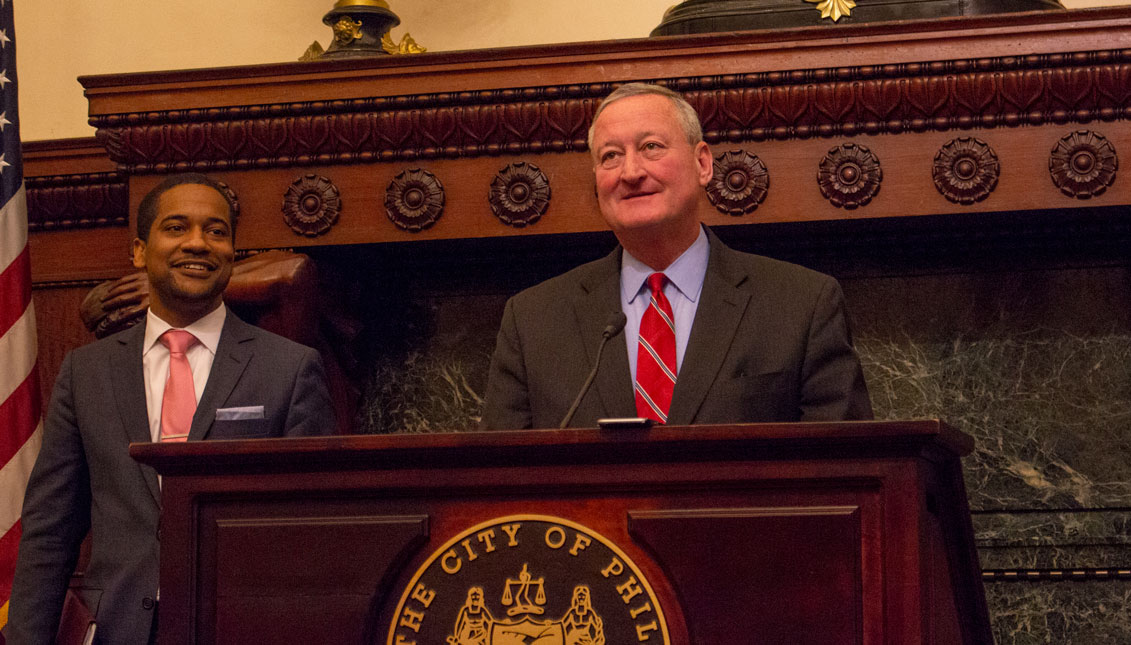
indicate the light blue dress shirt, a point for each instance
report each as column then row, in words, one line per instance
column 685, row 283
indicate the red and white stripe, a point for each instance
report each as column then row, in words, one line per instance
column 21, row 423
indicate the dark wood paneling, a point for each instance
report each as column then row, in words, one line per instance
column 319, row 591
column 58, row 329
column 762, row 592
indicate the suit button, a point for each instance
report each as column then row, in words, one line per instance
column 147, row 603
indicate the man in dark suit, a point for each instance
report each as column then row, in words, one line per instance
column 710, row 335
column 134, row 386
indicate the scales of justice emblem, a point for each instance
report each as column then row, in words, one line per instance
column 475, row 625
column 525, row 579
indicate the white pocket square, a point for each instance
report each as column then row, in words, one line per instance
column 239, row 414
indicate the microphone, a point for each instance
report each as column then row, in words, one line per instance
column 615, row 324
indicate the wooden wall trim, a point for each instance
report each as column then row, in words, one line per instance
column 323, row 153
column 606, row 61
column 78, row 210
column 79, row 155
column 72, row 183
column 77, row 201
column 828, row 102
column 774, row 92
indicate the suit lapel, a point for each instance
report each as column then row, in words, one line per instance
column 233, row 353
column 599, row 297
column 129, row 392
column 721, row 307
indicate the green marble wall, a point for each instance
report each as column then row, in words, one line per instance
column 1034, row 362
column 1036, row 366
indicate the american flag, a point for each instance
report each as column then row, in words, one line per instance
column 21, row 425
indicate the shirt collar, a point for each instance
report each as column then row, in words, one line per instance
column 206, row 329
column 686, row 273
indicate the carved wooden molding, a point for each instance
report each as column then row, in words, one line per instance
column 828, row 102
column 311, row 205
column 88, row 200
column 520, row 194
column 1083, row 164
column 966, row 170
column 414, row 200
column 849, row 176
column 233, row 199
column 739, row 184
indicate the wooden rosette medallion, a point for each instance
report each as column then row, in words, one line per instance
column 1083, row 164
column 414, row 200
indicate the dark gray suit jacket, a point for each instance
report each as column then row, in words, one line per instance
column 770, row 342
column 85, row 480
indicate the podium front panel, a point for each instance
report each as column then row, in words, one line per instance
column 494, row 545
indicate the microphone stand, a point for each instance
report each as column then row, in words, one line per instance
column 617, row 321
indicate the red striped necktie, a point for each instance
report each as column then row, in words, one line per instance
column 655, row 357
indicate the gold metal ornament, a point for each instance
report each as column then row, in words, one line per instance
column 361, row 29
column 346, row 30
column 345, row 4
column 314, row 52
column 406, row 46
column 835, row 9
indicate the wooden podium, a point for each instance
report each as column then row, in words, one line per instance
column 764, row 533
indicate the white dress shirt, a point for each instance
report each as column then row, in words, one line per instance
column 155, row 359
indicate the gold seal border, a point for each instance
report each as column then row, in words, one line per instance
column 628, row 562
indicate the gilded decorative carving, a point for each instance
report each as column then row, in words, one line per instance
column 849, row 176
column 313, row 52
column 834, row 9
column 311, row 205
column 831, row 102
column 739, row 184
column 519, row 194
column 966, row 170
column 62, row 202
column 407, row 45
column 414, row 200
column 1083, row 164
column 346, row 30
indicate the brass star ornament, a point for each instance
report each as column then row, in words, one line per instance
column 835, row 9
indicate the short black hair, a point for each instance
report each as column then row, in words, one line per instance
column 147, row 209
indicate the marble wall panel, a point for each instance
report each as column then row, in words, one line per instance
column 1036, row 366
column 1065, row 613
column 1054, row 540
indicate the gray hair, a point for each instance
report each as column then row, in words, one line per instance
column 687, row 116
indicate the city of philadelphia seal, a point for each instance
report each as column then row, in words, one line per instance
column 528, row 580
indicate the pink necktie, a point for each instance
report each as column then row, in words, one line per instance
column 179, row 401
column 655, row 357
